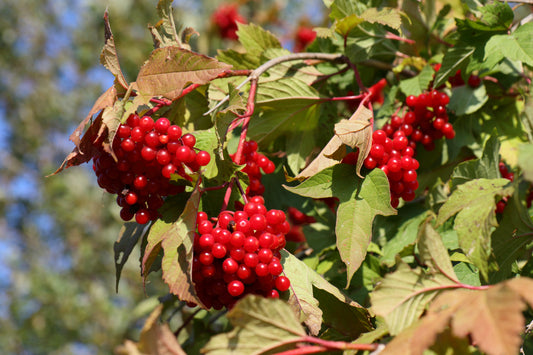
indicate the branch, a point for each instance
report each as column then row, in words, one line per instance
column 255, row 74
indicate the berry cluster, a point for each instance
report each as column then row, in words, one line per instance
column 148, row 153
column 240, row 254
column 255, row 162
column 393, row 146
column 297, row 220
column 225, row 18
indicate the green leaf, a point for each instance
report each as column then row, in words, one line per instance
column 511, row 240
column 281, row 116
column 360, row 202
column 403, row 295
column 170, row 212
column 485, row 167
column 497, row 15
column 432, row 251
column 474, row 204
column 418, row 84
column 525, row 153
column 516, row 46
column 404, row 239
column 177, row 244
column 207, row 140
column 454, row 59
column 127, row 239
column 255, row 39
column 296, row 69
column 386, row 16
column 309, row 290
column 238, row 60
column 345, row 25
column 467, row 273
column 299, row 147
column 260, row 324
column 466, row 100
column 170, row 69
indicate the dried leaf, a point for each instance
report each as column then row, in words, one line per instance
column 170, row 69
column 109, row 56
column 155, row 339
column 86, row 149
column 107, row 99
column 355, row 132
column 491, row 317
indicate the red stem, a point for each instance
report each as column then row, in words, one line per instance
column 312, row 349
column 250, row 107
column 227, row 196
column 390, row 35
column 339, row 345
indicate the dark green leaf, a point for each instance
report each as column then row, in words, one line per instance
column 127, row 239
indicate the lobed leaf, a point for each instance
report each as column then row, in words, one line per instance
column 403, row 295
column 515, row 46
column 309, row 290
column 255, row 39
column 360, row 202
column 170, row 69
column 260, row 324
column 155, row 338
column 474, row 204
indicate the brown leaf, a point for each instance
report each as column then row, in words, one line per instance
column 109, row 56
column 86, row 149
column 107, row 99
column 170, row 69
column 355, row 132
column 155, row 339
column 491, row 317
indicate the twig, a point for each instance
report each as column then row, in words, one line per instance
column 186, row 322
column 256, row 73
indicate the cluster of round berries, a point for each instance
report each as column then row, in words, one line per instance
column 393, row 146
column 148, row 153
column 255, row 162
column 225, row 18
column 297, row 219
column 239, row 254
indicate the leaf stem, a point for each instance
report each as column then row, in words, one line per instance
column 250, row 108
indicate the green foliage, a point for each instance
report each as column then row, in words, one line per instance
column 435, row 273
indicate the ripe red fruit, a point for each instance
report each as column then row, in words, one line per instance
column 235, row 288
column 282, row 283
column 474, row 81
column 304, row 37
column 225, row 18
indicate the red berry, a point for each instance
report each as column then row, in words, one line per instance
column 203, row 158
column 282, row 283
column 235, row 288
column 474, row 81
column 189, row 140
column 162, row 124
